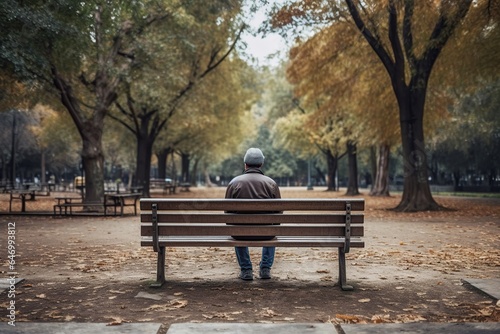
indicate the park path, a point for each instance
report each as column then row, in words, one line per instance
column 412, row 269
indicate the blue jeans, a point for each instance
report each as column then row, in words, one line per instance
column 243, row 256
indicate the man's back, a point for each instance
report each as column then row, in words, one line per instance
column 252, row 184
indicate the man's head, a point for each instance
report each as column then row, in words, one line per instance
column 254, row 157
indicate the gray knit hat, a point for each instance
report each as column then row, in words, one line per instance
column 254, row 157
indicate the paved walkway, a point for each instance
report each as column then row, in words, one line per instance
column 314, row 328
column 490, row 287
column 77, row 328
column 245, row 328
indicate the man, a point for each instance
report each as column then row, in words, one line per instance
column 253, row 184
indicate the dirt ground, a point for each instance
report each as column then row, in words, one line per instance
column 92, row 269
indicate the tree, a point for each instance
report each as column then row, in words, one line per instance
column 185, row 52
column 409, row 59
column 55, row 139
column 471, row 146
column 216, row 118
column 335, row 88
column 408, row 37
column 83, row 50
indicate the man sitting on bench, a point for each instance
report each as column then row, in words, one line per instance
column 253, row 184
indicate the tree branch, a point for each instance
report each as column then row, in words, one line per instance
column 375, row 43
column 399, row 60
column 408, row 33
column 442, row 32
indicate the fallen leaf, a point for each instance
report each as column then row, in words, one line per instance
column 347, row 317
column 116, row 321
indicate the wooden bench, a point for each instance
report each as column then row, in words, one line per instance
column 66, row 204
column 67, row 208
column 203, row 222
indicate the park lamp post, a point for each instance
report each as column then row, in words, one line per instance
column 82, row 183
column 309, row 185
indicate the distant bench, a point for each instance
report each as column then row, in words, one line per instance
column 169, row 189
column 203, row 223
column 66, row 204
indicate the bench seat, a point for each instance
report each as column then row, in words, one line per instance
column 227, row 241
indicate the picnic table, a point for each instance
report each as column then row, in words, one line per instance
column 120, row 200
column 21, row 195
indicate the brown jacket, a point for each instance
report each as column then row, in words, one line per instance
column 252, row 184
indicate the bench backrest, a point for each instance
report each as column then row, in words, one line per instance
column 251, row 217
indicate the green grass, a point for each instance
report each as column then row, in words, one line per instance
column 467, row 194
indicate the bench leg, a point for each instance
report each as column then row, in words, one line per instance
column 160, row 269
column 23, row 204
column 342, row 271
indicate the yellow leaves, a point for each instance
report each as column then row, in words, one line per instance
column 56, row 314
column 222, row 315
column 170, row 306
column 347, row 318
column 116, row 320
column 268, row 313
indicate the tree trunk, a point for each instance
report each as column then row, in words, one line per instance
column 352, row 184
column 416, row 192
column 43, row 179
column 373, row 166
column 194, row 172
column 185, row 160
column 90, row 130
column 381, row 184
column 208, row 182
column 144, row 154
column 174, row 168
column 162, row 157
column 332, row 164
column 93, row 163
column 12, row 163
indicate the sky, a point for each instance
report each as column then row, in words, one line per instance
column 263, row 47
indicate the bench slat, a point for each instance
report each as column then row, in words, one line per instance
column 252, row 204
column 255, row 218
column 225, row 230
column 214, row 241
